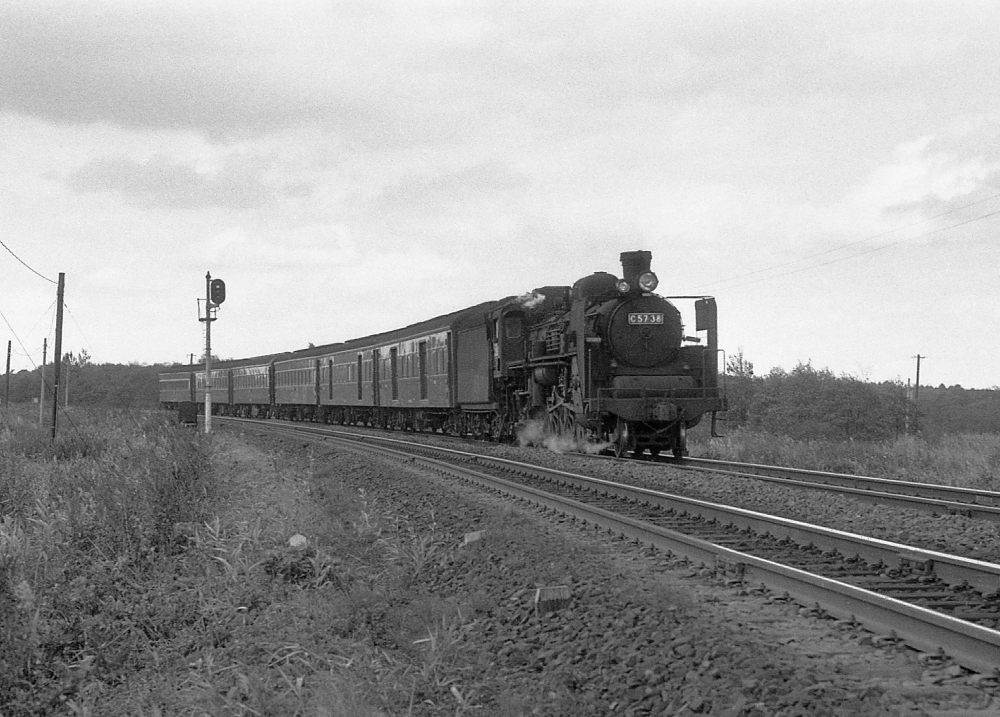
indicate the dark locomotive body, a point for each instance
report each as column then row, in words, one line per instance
column 607, row 361
column 602, row 362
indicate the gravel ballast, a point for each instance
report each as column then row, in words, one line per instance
column 643, row 634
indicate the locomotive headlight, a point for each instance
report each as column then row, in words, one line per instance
column 623, row 287
column 648, row 281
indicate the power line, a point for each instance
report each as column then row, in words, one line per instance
column 66, row 306
column 11, row 252
column 859, row 254
column 855, row 243
column 19, row 342
column 34, row 365
column 30, row 355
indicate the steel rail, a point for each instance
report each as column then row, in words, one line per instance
column 936, row 506
column 974, row 503
column 971, row 645
column 889, row 486
column 950, row 569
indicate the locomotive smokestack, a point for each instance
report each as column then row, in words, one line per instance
column 635, row 264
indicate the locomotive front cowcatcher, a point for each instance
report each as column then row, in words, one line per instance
column 607, row 361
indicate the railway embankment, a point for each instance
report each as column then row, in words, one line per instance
column 315, row 580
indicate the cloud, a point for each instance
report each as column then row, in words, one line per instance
column 383, row 74
column 159, row 181
column 488, row 179
column 225, row 69
column 922, row 175
column 284, row 253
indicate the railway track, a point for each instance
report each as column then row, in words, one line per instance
column 935, row 499
column 926, row 497
column 930, row 600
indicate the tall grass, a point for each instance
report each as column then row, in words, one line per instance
column 969, row 460
column 80, row 518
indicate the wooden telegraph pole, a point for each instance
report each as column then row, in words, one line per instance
column 59, row 328
column 41, row 372
column 915, row 400
column 6, row 399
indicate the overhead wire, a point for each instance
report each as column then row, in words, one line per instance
column 869, row 251
column 19, row 342
column 25, row 264
column 50, row 386
column 855, row 243
column 43, row 315
column 24, row 351
column 79, row 328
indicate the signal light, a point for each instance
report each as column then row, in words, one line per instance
column 217, row 291
column 623, row 287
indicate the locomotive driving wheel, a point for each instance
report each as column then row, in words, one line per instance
column 622, row 439
column 561, row 424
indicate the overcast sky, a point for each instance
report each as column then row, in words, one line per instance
column 829, row 171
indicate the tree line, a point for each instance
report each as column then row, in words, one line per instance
column 86, row 383
column 809, row 403
column 805, row 403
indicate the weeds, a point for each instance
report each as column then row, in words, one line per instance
column 146, row 569
column 82, row 517
column 960, row 460
column 411, row 551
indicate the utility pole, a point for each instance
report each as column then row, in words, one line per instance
column 41, row 372
column 56, row 364
column 906, row 408
column 6, row 399
column 916, row 399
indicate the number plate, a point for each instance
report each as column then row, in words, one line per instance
column 645, row 318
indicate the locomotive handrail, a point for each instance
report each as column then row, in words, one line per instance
column 704, row 364
column 547, row 361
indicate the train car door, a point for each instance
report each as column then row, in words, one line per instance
column 317, row 378
column 394, row 372
column 272, row 379
column 376, row 358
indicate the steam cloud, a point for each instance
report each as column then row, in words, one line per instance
column 535, row 433
column 531, row 299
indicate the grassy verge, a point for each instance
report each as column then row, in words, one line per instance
column 84, row 522
column 146, row 569
column 970, row 460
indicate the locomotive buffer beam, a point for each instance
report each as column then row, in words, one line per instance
column 640, row 409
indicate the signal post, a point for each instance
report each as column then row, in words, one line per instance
column 215, row 294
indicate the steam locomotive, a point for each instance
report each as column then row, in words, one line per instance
column 602, row 363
